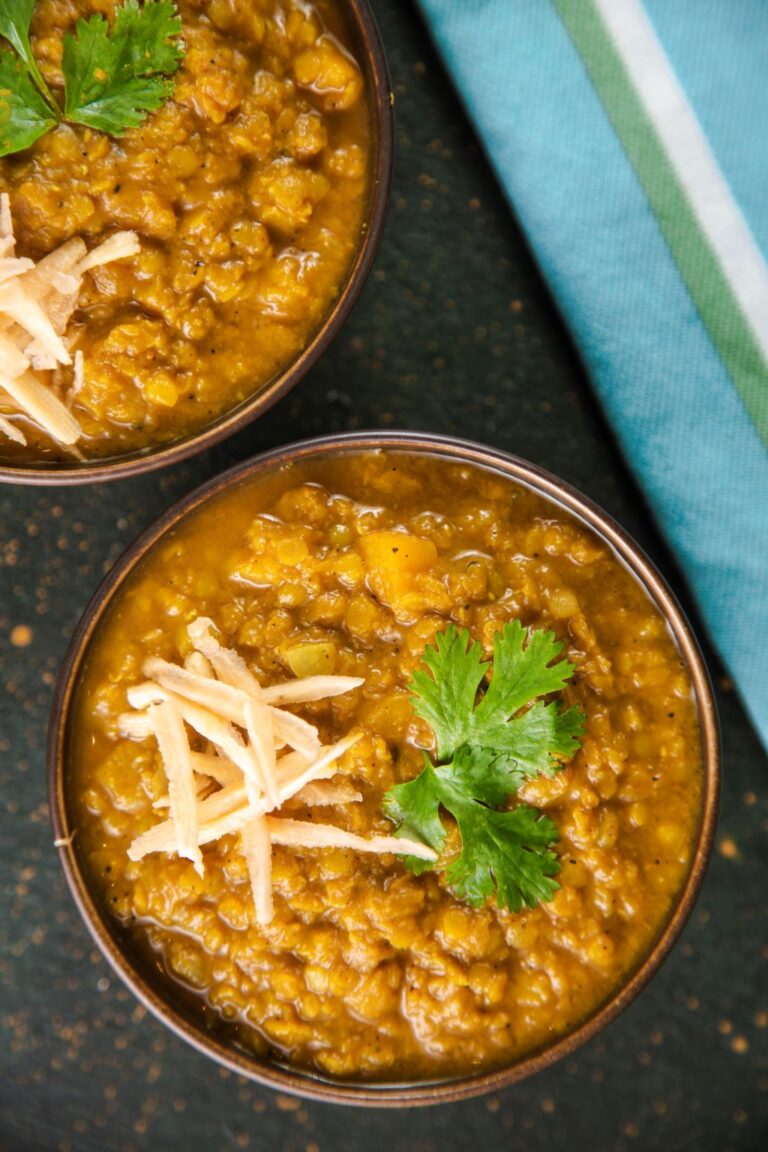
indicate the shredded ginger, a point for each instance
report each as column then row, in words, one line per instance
column 260, row 758
column 37, row 301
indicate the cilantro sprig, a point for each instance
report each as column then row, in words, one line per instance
column 113, row 77
column 489, row 741
column 15, row 19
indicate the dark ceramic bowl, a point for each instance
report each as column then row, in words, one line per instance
column 369, row 51
column 158, row 995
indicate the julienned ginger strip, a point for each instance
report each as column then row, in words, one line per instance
column 232, row 805
column 36, row 304
column 218, row 697
column 170, row 733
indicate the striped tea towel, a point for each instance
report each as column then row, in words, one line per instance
column 631, row 136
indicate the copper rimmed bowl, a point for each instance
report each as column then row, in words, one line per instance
column 369, row 52
column 158, row 993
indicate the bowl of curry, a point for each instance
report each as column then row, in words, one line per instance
column 167, row 276
column 384, row 768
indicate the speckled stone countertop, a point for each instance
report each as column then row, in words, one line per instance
column 454, row 333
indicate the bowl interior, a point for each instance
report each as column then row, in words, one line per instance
column 139, row 969
column 369, row 52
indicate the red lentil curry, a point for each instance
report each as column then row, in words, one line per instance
column 248, row 190
column 367, row 971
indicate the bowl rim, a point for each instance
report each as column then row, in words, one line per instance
column 306, row 1084
column 373, row 60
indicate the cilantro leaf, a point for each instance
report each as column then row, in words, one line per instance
column 506, row 853
column 489, row 742
column 477, row 773
column 538, row 740
column 444, row 695
column 446, row 698
column 415, row 808
column 522, row 670
column 151, row 33
column 24, row 114
column 113, row 78
column 15, row 20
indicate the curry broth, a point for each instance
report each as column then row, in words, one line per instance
column 248, row 189
column 367, row 971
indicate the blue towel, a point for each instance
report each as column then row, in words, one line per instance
column 631, row 137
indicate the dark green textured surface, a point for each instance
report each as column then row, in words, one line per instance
column 455, row 334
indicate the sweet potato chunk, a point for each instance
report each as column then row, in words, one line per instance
column 393, row 560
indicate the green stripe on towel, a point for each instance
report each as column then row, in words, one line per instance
column 694, row 252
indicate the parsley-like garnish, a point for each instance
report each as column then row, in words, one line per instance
column 24, row 113
column 486, row 748
column 15, row 19
column 112, row 77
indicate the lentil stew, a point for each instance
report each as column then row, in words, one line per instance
column 250, row 191
column 368, row 972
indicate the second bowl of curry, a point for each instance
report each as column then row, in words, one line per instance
column 171, row 282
